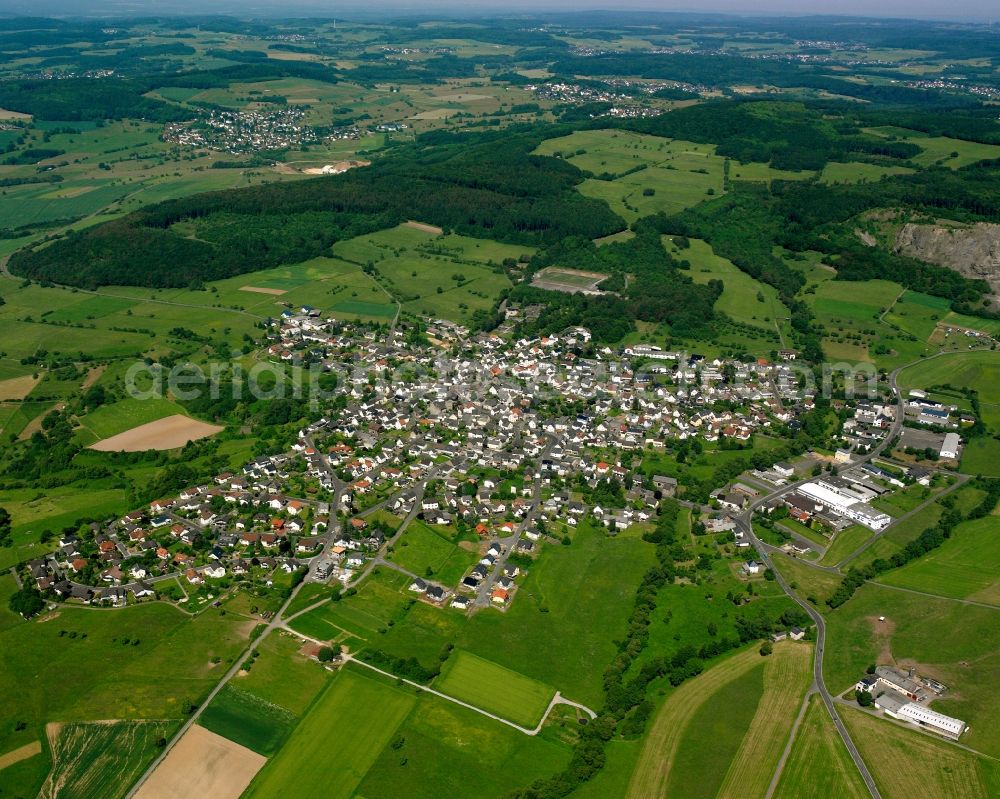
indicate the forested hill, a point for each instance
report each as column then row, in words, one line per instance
column 490, row 185
column 487, row 186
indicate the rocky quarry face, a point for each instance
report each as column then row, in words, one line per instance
column 972, row 251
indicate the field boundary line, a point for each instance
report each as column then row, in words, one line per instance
column 934, row 596
column 787, row 674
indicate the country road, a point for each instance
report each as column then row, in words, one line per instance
column 744, row 522
column 275, row 623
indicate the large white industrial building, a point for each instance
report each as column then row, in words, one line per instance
column 925, row 717
column 845, row 502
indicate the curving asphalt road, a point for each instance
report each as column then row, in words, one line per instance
column 763, row 550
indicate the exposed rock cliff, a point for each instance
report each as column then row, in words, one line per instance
column 972, row 251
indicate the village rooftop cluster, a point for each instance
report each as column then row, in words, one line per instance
column 478, row 444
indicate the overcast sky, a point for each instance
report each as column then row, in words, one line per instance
column 913, row 9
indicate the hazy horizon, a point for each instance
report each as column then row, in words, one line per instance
column 968, row 11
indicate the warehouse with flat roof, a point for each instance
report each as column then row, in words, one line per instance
column 950, row 447
column 925, row 717
column 846, row 503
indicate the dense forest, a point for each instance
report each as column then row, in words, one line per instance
column 488, row 186
column 658, row 290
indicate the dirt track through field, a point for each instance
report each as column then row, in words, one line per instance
column 261, row 290
column 19, row 754
column 169, row 433
column 649, row 780
column 787, row 674
column 423, row 227
column 203, row 764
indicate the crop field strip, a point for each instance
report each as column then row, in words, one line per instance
column 202, row 763
column 667, row 727
column 787, row 675
column 819, row 764
column 252, row 722
column 713, row 736
column 345, row 730
column 100, row 760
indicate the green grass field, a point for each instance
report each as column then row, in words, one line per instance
column 844, row 543
column 850, row 312
column 380, row 599
column 764, row 173
column 91, row 644
column 851, row 302
column 982, row 457
column 421, row 547
column 8, row 618
column 26, row 777
column 109, row 420
column 819, row 764
column 964, row 567
column 858, row 172
column 918, row 314
column 102, row 760
column 809, row 582
column 570, row 609
column 671, row 174
column 441, row 276
column 248, row 720
column 441, row 749
column 714, row 735
column 89, row 309
column 345, row 730
column 744, row 299
column 608, row 151
column 34, row 511
column 281, row 676
column 905, row 763
column 494, row 688
column 904, row 500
